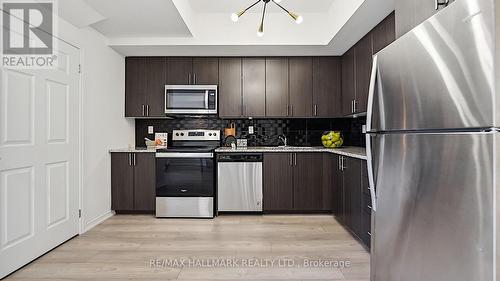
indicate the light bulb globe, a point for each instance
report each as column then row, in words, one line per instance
column 234, row 17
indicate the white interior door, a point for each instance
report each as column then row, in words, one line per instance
column 39, row 159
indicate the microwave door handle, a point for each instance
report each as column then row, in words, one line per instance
column 206, row 99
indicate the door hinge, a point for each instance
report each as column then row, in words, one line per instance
column 79, row 213
column 80, row 69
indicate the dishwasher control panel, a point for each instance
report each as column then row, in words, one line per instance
column 240, row 157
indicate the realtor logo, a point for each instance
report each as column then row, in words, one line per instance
column 28, row 34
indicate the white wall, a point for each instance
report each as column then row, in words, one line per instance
column 103, row 123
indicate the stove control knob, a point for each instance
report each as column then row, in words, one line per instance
column 182, row 134
column 209, row 134
column 215, row 134
column 177, row 134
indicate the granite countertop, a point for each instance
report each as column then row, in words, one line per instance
column 349, row 151
column 133, row 150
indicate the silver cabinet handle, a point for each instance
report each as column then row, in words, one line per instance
column 134, row 158
column 295, row 159
column 342, row 163
column 441, row 3
column 339, row 164
column 130, row 159
column 189, row 78
column 355, row 106
column 194, row 75
column 291, row 160
column 287, row 110
column 147, row 110
column 315, row 110
column 369, row 233
column 291, row 110
column 143, row 110
column 352, row 106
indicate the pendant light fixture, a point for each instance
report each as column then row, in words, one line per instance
column 236, row 16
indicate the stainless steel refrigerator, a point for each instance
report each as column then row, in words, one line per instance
column 433, row 146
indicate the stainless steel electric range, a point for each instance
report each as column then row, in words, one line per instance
column 185, row 175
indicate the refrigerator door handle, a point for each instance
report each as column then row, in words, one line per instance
column 371, row 93
column 369, row 164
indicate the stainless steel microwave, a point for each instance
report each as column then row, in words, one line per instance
column 191, row 99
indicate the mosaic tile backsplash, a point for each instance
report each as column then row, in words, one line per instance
column 300, row 132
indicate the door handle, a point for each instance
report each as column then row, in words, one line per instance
column 287, row 110
column 194, row 78
column 183, row 190
column 143, row 110
column 147, row 110
column 369, row 165
column 355, row 102
column 133, row 154
column 371, row 93
column 315, row 110
column 130, row 159
column 295, row 159
column 291, row 109
column 290, row 159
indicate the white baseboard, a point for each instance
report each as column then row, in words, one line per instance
column 97, row 221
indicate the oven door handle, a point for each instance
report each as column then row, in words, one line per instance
column 183, row 155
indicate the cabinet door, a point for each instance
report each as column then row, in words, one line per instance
column 308, row 182
column 277, row 104
column 254, row 87
column 180, row 71
column 353, row 194
column 135, row 87
column 278, row 185
column 364, row 63
column 384, row 33
column 206, row 71
column 122, row 182
column 230, row 98
column 348, row 81
column 301, row 87
column 144, row 181
column 333, row 181
column 327, row 87
column 156, row 76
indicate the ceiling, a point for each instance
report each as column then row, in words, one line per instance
column 204, row 27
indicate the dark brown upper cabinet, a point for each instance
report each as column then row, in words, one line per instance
column 193, row 71
column 327, row 86
column 301, row 76
column 254, row 87
column 277, row 104
column 357, row 64
column 180, row 71
column 410, row 13
column 384, row 33
column 156, row 74
column 135, row 87
column 205, row 71
column 145, row 80
column 348, row 81
column 363, row 68
column 230, row 87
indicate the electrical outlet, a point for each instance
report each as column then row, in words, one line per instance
column 151, row 130
column 250, row 130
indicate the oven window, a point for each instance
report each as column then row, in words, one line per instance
column 184, row 177
column 186, row 99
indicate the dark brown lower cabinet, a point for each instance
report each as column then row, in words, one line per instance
column 278, row 182
column 353, row 195
column 350, row 194
column 293, row 182
column 133, row 181
column 308, row 181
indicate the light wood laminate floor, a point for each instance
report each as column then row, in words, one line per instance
column 273, row 248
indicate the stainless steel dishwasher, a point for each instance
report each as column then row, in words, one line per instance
column 239, row 182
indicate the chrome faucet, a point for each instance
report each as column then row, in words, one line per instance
column 283, row 139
